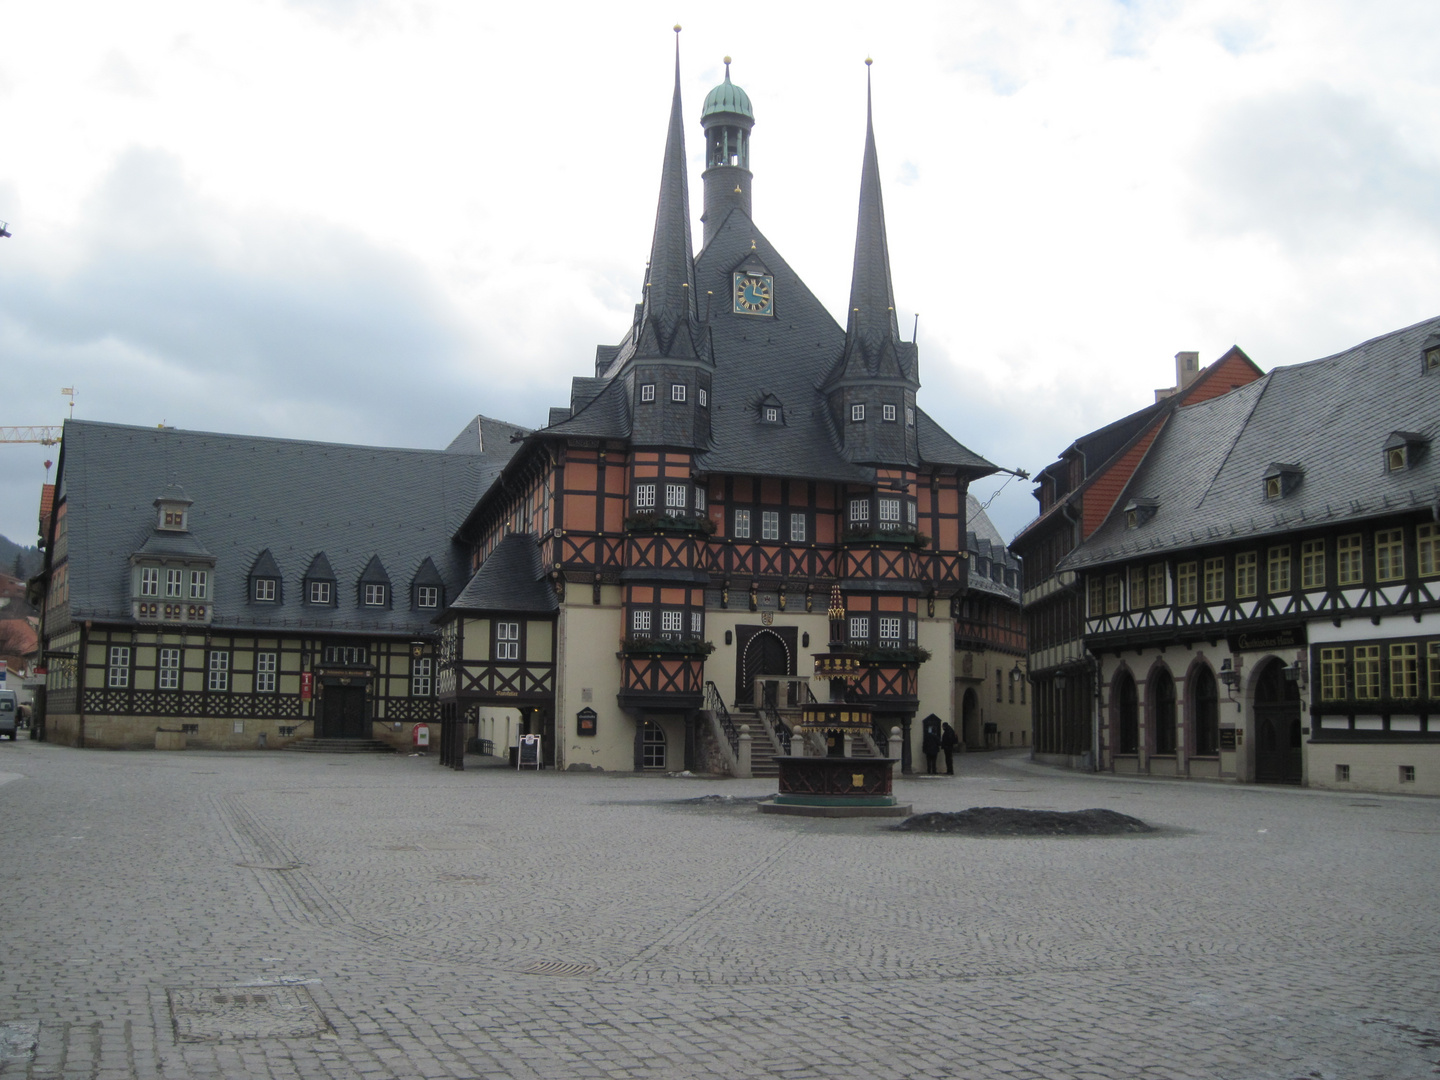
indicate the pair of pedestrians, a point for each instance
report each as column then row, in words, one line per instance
column 935, row 740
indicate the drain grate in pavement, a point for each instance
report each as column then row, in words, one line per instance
column 557, row 967
column 17, row 1041
column 210, row 1014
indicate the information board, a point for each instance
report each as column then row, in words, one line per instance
column 529, row 756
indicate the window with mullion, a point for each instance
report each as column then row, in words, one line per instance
column 1367, row 672
column 265, row 671
column 149, row 581
column 860, row 629
column 1246, row 574
column 1389, row 555
column 1312, row 564
column 1277, row 578
column 1137, row 588
column 1349, row 560
column 1404, row 670
column 168, row 677
column 1155, row 585
column 218, row 674
column 507, row 641
column 1332, row 675
column 117, row 676
column 770, row 524
column 1214, row 580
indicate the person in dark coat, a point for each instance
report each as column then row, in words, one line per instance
column 930, row 746
column 949, row 741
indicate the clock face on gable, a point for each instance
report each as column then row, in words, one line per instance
column 754, row 294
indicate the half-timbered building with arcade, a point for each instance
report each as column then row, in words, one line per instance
column 1264, row 597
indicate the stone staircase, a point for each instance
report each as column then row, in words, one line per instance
column 762, row 746
column 340, row 746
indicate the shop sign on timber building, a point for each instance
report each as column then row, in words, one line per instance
column 621, row 577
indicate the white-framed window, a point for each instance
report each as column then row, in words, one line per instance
column 859, row 511
column 149, row 581
column 644, row 496
column 652, row 746
column 857, row 412
column 345, row 654
column 174, row 584
column 742, row 524
column 889, row 630
column 672, row 621
column 910, row 512
column 860, row 628
column 265, row 669
column 374, row 595
column 772, row 414
column 118, row 675
column 887, row 412
column 909, row 415
column 319, row 592
column 420, row 679
column 427, row 596
column 797, row 528
column 647, row 391
column 697, row 623
column 704, row 397
column 507, row 641
column 640, row 620
column 699, row 500
column 912, row 630
column 169, row 674
column 199, row 584
column 677, row 391
column 675, row 496
column 265, row 589
column 770, row 525
column 219, row 671
column 890, row 510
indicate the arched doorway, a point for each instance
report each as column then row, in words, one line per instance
column 970, row 721
column 1277, row 727
column 765, row 654
column 1162, row 713
column 1205, row 711
column 1127, row 715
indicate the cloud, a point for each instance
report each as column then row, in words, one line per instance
column 1313, row 168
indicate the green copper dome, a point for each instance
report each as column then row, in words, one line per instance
column 727, row 98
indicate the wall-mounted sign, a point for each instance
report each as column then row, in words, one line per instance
column 585, row 722
column 1227, row 738
column 307, row 685
column 1290, row 637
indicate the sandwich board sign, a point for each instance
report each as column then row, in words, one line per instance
column 529, row 757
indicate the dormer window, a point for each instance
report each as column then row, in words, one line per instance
column 374, row 595
column 173, row 519
column 427, row 596
column 1140, row 510
column 771, row 410
column 265, row 579
column 320, row 592
column 1430, row 351
column 772, row 414
column 374, row 584
column 265, row 590
column 320, row 582
column 1281, row 479
column 1404, row 449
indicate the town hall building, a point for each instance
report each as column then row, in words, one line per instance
column 632, row 582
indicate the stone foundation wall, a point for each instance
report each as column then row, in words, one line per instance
column 213, row 733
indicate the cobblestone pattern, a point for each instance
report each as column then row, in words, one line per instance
column 489, row 924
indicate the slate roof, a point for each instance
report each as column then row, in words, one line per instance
column 510, row 580
column 295, row 498
column 983, row 541
column 1330, row 416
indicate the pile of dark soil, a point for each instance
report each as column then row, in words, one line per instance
column 1007, row 821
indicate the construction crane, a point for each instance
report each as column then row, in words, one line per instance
column 45, row 435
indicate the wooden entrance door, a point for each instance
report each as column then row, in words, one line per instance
column 1277, row 727
column 765, row 653
column 344, row 714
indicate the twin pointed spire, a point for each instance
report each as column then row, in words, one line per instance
column 669, row 323
column 872, row 331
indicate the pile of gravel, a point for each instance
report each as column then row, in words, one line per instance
column 1008, row 821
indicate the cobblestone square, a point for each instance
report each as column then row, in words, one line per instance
column 494, row 924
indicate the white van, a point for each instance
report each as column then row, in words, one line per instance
column 9, row 713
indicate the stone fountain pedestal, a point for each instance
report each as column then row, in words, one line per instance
column 835, row 787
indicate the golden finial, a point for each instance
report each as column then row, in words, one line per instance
column 737, row 189
column 868, row 61
column 677, row 30
column 727, row 60
column 752, row 245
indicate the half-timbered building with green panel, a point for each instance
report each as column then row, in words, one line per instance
column 248, row 592
column 1264, row 599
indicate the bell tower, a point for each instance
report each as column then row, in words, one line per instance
column 727, row 119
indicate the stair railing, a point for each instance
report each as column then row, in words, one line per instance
column 714, row 703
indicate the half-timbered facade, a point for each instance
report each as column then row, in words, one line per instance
column 736, row 454
column 1264, row 600
column 246, row 592
column 1077, row 493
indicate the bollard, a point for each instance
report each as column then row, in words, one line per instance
column 849, row 746
column 797, row 744
column 742, row 769
column 892, row 749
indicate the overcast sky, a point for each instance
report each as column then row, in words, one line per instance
column 369, row 221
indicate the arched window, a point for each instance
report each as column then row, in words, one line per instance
column 1206, row 704
column 1127, row 714
column 1162, row 712
column 652, row 746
